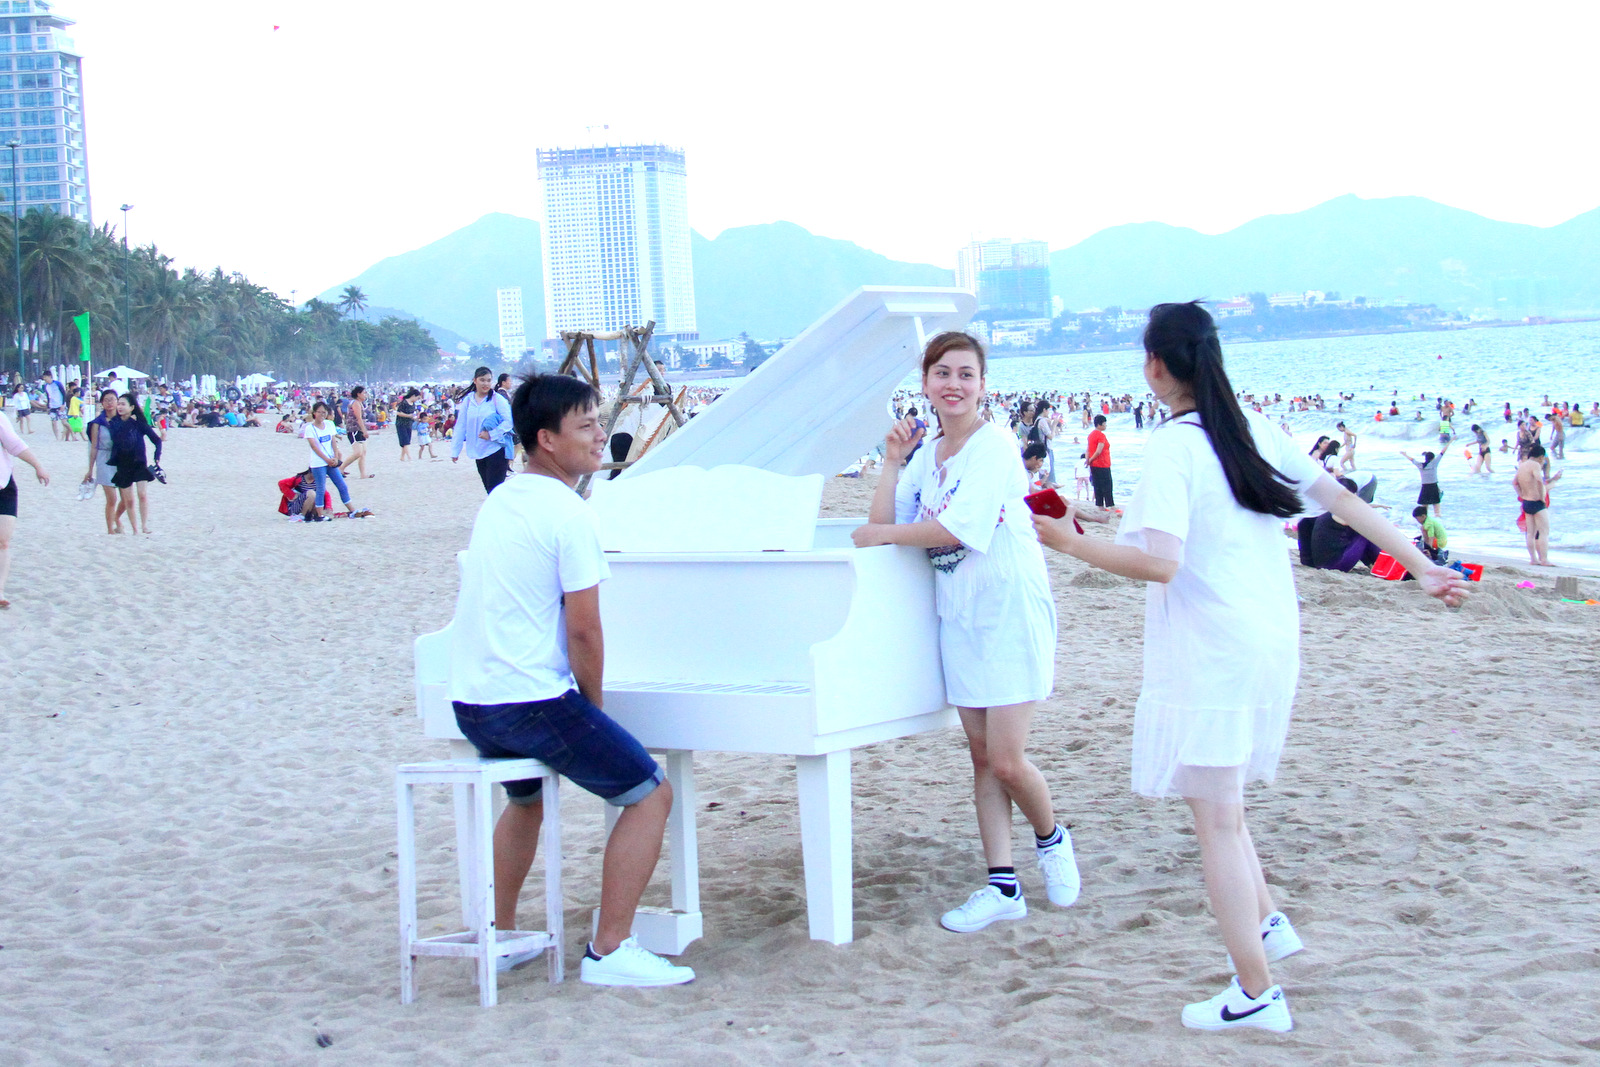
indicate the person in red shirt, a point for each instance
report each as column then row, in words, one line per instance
column 1100, row 464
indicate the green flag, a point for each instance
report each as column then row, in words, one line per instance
column 82, row 322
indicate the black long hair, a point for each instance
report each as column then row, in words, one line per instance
column 1184, row 337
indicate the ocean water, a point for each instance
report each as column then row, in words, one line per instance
column 1492, row 366
column 1520, row 364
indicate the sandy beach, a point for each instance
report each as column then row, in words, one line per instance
column 201, row 728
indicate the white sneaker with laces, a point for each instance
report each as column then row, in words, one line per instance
column 1059, row 866
column 985, row 906
column 516, row 959
column 1233, row 1008
column 1278, row 938
column 631, row 964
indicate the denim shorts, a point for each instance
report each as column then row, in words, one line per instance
column 569, row 735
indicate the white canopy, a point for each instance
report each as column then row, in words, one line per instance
column 121, row 372
column 324, row 385
column 253, row 380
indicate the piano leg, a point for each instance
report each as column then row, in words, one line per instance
column 681, row 835
column 825, row 844
column 669, row 931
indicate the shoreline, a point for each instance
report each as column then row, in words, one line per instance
column 1227, row 341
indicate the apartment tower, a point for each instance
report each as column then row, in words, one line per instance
column 513, row 334
column 616, row 240
column 41, row 109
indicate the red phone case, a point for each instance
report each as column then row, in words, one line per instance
column 1048, row 502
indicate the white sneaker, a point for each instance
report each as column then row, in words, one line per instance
column 516, row 959
column 985, row 906
column 1231, row 1008
column 1278, row 938
column 631, row 964
column 1059, row 866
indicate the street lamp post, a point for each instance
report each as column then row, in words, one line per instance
column 127, row 307
column 16, row 250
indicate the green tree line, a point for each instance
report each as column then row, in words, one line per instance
column 184, row 322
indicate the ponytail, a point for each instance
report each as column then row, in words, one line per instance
column 1184, row 337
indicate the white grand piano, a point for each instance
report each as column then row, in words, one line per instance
column 737, row 621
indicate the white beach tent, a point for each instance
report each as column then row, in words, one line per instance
column 256, row 381
column 323, row 385
column 121, row 372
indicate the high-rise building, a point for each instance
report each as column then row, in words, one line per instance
column 1010, row 278
column 41, row 108
column 616, row 240
column 513, row 334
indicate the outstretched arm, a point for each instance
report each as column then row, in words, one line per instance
column 1436, row 581
column 1158, row 565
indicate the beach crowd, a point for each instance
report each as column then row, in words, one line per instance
column 1220, row 487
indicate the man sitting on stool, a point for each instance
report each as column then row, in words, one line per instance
column 526, row 662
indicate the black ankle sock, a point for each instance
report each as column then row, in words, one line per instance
column 1055, row 838
column 1005, row 880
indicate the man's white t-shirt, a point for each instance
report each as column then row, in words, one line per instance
column 533, row 541
column 324, row 439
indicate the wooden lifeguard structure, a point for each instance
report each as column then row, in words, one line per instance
column 635, row 355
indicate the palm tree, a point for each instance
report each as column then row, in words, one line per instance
column 352, row 301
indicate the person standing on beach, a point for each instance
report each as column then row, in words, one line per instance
column 404, row 418
column 1347, row 460
column 21, row 407
column 1221, row 646
column 526, row 666
column 74, row 413
column 131, row 471
column 55, row 403
column 960, row 499
column 483, row 425
column 11, row 446
column 1428, row 471
column 1484, row 462
column 100, row 471
column 355, row 426
column 1099, row 451
column 1558, row 436
column 1533, row 492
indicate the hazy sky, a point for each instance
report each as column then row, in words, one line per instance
column 359, row 129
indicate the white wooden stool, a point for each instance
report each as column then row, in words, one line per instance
column 473, row 781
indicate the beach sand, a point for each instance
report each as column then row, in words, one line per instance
column 201, row 729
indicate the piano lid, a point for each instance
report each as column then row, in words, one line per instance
column 822, row 400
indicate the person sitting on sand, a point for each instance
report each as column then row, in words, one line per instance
column 1433, row 539
column 1033, row 461
column 525, row 674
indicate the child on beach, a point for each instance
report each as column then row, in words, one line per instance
column 1433, row 539
column 1221, row 653
column 960, row 500
column 425, row 432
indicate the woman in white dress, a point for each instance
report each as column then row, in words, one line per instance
column 960, row 499
column 1221, row 642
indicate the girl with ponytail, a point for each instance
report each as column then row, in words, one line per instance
column 1222, row 631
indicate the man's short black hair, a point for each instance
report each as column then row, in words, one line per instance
column 543, row 400
column 1035, row 451
column 1536, row 451
column 1419, row 512
column 1099, row 420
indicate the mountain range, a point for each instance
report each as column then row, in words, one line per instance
column 772, row 280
